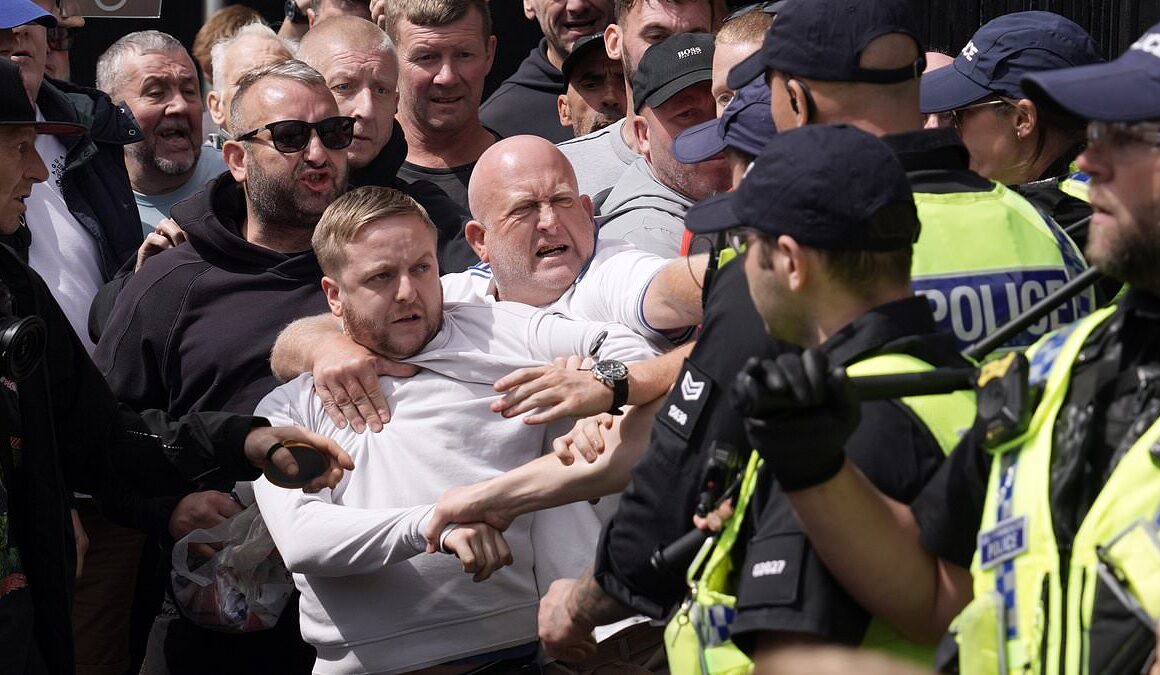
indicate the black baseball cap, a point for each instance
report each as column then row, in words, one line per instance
column 824, row 39
column 744, row 125
column 15, row 13
column 831, row 187
column 1004, row 51
column 17, row 110
column 671, row 66
column 1124, row 90
column 581, row 50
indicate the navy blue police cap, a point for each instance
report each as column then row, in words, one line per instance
column 744, row 125
column 1004, row 51
column 824, row 39
column 1124, row 90
column 671, row 66
column 832, row 187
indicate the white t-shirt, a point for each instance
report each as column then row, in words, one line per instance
column 372, row 600
column 63, row 252
column 611, row 287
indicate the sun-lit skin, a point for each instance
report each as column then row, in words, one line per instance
column 657, row 127
column 299, row 185
column 1124, row 234
column 387, row 293
column 27, row 47
column 530, row 222
column 20, row 170
column 650, row 22
column 162, row 91
column 725, row 56
column 328, row 9
column 68, row 15
column 246, row 53
column 989, row 134
column 441, row 78
column 565, row 21
column 364, row 82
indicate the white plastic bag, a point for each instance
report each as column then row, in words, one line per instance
column 243, row 587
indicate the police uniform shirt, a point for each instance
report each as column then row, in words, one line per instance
column 891, row 446
column 657, row 507
column 950, row 508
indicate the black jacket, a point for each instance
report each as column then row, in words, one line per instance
column 95, row 184
column 67, row 432
column 449, row 217
column 194, row 327
column 526, row 102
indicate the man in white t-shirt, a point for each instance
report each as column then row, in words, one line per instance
column 82, row 221
column 360, row 547
column 534, row 234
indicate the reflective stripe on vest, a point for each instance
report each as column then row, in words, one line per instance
column 983, row 258
column 697, row 638
column 1022, row 619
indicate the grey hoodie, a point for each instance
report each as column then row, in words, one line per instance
column 641, row 210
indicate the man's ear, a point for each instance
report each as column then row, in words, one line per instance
column 799, row 102
column 310, row 17
column 490, row 52
column 234, row 155
column 796, row 260
column 213, row 101
column 476, row 233
column 612, row 42
column 1026, row 118
column 333, row 297
column 588, row 208
column 529, row 11
column 640, row 131
column 564, row 110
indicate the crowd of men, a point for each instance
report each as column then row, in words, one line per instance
column 586, row 360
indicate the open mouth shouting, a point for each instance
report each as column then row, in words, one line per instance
column 317, row 180
column 553, row 251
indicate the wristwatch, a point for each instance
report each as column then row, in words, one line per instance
column 293, row 14
column 614, row 375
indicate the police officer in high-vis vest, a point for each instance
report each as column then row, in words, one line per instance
column 986, row 254
column 1038, row 549
column 828, row 267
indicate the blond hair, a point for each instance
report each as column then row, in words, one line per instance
column 346, row 216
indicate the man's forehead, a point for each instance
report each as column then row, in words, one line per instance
column 166, row 63
column 346, row 59
column 683, row 17
column 467, row 27
column 277, row 98
column 251, row 52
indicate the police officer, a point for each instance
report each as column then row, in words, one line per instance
column 1045, row 545
column 985, row 254
column 62, row 428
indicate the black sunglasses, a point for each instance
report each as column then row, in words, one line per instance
column 61, row 39
column 291, row 136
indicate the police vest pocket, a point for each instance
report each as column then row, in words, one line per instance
column 1120, row 641
column 772, row 574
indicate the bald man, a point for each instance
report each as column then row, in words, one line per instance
column 535, row 236
column 252, row 47
column 360, row 66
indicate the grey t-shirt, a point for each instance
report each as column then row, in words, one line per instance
column 155, row 208
column 453, row 181
column 599, row 158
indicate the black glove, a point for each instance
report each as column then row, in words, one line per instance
column 796, row 416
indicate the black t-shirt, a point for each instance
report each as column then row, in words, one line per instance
column 891, row 446
column 950, row 508
column 452, row 181
column 657, row 507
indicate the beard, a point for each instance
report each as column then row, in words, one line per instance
column 379, row 336
column 1128, row 255
column 281, row 202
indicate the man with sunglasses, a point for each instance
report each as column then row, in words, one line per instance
column 69, row 23
column 1041, row 536
column 193, row 329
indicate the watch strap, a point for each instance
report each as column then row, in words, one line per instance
column 619, row 396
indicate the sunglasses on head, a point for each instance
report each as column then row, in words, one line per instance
column 291, row 136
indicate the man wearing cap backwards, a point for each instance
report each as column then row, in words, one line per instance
column 595, row 96
column 1043, row 545
column 1016, row 255
column 67, row 432
column 670, row 93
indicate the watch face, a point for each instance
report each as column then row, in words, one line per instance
column 611, row 370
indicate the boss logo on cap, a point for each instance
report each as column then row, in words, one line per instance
column 690, row 51
column 969, row 51
column 1149, row 43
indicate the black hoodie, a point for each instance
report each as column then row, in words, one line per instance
column 193, row 329
column 526, row 102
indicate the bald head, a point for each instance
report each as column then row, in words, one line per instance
column 531, row 225
column 936, row 60
column 513, row 160
column 339, row 34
